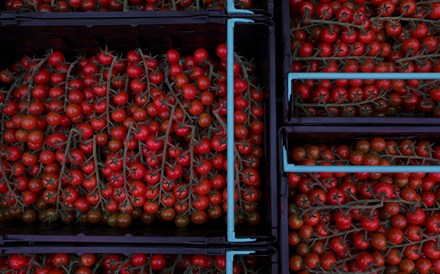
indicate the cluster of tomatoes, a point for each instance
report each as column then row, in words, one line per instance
column 88, row 263
column 117, row 5
column 366, row 36
column 369, row 152
column 111, row 139
column 379, row 223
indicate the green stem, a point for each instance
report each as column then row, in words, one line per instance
column 329, row 22
column 66, row 85
column 406, row 19
column 98, row 185
column 63, row 166
column 107, row 95
column 164, row 153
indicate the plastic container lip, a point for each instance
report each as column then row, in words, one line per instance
column 263, row 9
column 185, row 36
column 127, row 250
column 291, row 119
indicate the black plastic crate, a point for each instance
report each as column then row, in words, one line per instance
column 253, row 40
column 264, row 260
column 259, row 9
column 101, row 18
column 300, row 135
column 293, row 118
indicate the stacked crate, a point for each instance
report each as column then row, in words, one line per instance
column 121, row 27
column 358, row 150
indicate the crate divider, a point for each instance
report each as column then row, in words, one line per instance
column 230, row 131
column 230, row 258
column 232, row 10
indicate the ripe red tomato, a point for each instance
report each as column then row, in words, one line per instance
column 60, row 258
column 17, row 261
column 157, row 262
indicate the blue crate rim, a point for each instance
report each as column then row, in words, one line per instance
column 230, row 132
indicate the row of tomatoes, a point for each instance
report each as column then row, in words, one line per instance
column 391, row 36
column 114, row 5
column 365, row 14
column 110, row 139
column 61, row 263
column 380, row 224
column 369, row 152
column 355, row 36
column 366, row 98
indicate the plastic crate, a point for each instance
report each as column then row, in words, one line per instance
column 251, row 39
column 261, row 9
column 266, row 259
column 300, row 135
column 292, row 118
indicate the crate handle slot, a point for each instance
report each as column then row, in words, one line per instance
column 231, row 9
column 230, row 259
column 230, row 131
column 351, row 169
column 357, row 76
